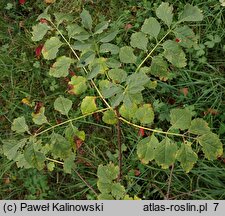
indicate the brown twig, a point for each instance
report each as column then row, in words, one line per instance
column 169, row 183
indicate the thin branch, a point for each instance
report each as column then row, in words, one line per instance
column 169, row 183
column 119, row 145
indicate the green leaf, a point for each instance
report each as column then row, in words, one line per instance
column 118, row 191
column 117, row 75
column 165, row 13
column 136, row 81
column 180, row 118
column 165, row 153
column 82, row 46
column 186, row 36
column 139, row 40
column 146, row 149
column 51, row 48
column 78, row 85
column 19, row 125
column 107, row 173
column 61, row 147
column 39, row 118
column 51, row 166
column 63, row 105
column 111, row 89
column 88, row 105
column 187, row 156
column 86, row 58
column 61, row 17
column 11, row 147
column 104, row 188
column 101, row 27
column 69, row 164
column 159, row 68
column 98, row 66
column 151, row 27
column 44, row 15
column 86, row 19
column 128, row 112
column 108, row 47
column 74, row 29
column 39, row 31
column 145, row 114
column 211, row 145
column 109, row 117
column 109, row 36
column 105, row 197
column 126, row 55
column 21, row 162
column 199, row 127
column 174, row 54
column 191, row 14
column 61, row 67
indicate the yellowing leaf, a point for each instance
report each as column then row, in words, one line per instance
column 126, row 55
column 88, row 105
column 118, row 191
column 151, row 27
column 199, row 127
column 165, row 13
column 51, row 48
column 63, row 105
column 146, row 149
column 39, row 118
column 128, row 112
column 180, row 118
column 19, row 125
column 61, row 67
column 109, row 117
column 139, row 40
column 174, row 54
column 145, row 114
column 211, row 145
column 187, row 156
column 78, row 85
column 165, row 153
column 26, row 101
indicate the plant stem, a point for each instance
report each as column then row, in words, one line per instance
column 119, row 145
column 169, row 183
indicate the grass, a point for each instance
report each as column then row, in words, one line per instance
column 21, row 77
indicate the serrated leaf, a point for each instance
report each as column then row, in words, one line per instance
column 111, row 89
column 109, row 117
column 68, row 164
column 159, row 68
column 101, row 27
column 51, row 47
column 88, row 105
column 61, row 147
column 117, row 75
column 108, row 47
column 107, row 173
column 145, row 114
column 39, row 118
column 165, row 13
column 180, row 118
column 109, row 36
column 186, row 36
column 146, row 149
column 118, row 191
column 126, row 55
column 19, row 125
column 174, row 54
column 11, row 147
column 86, row 19
column 61, row 67
column 128, row 112
column 74, row 29
column 165, row 153
column 151, row 27
column 78, row 85
column 104, row 187
column 199, row 127
column 211, row 145
column 187, row 156
column 61, row 17
column 191, row 14
column 105, row 197
column 86, row 58
column 139, row 40
column 130, row 99
column 98, row 66
column 39, row 31
column 21, row 162
column 63, row 105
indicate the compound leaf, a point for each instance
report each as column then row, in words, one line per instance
column 63, row 105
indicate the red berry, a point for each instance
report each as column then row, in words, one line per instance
column 177, row 40
column 22, row 1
